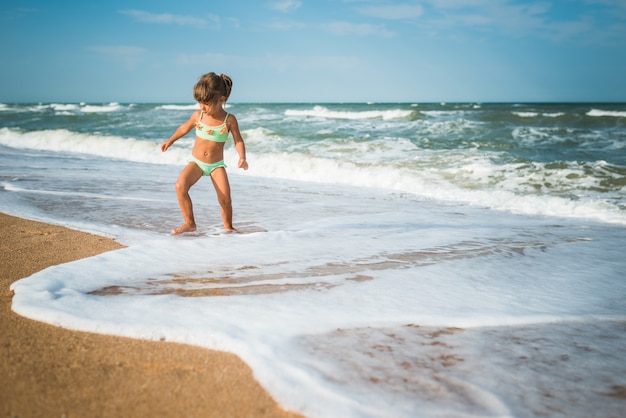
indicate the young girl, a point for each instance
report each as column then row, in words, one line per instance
column 212, row 125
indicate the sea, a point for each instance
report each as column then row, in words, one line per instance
column 393, row 260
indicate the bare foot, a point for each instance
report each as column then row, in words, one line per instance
column 184, row 228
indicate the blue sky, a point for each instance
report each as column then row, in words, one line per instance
column 314, row 50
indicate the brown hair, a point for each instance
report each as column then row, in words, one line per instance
column 210, row 87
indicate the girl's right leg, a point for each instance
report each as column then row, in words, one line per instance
column 187, row 178
column 222, row 188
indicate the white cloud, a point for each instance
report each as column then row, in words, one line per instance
column 285, row 25
column 118, row 50
column 234, row 22
column 393, row 11
column 164, row 18
column 491, row 13
column 359, row 29
column 280, row 63
column 18, row 13
column 518, row 19
column 129, row 56
column 285, row 6
column 204, row 58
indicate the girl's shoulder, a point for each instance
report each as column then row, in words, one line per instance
column 195, row 115
column 230, row 118
column 193, row 119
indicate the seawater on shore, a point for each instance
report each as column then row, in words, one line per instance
column 50, row 371
column 278, row 299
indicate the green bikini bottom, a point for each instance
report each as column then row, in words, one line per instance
column 207, row 168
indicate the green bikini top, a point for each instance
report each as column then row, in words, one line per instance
column 212, row 133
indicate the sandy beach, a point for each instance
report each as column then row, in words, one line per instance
column 47, row 371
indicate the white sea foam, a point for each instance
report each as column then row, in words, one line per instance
column 605, row 113
column 469, row 184
column 526, row 114
column 437, row 113
column 61, row 107
column 323, row 112
column 74, row 194
column 450, row 127
column 61, row 140
column 178, row 107
column 454, row 177
column 537, row 114
column 111, row 107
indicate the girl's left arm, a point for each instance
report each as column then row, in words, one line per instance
column 233, row 127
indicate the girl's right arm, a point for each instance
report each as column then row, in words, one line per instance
column 182, row 130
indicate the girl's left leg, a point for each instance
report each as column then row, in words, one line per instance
column 222, row 188
column 187, row 178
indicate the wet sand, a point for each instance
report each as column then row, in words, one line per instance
column 54, row 372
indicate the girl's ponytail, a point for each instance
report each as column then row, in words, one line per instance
column 228, row 83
